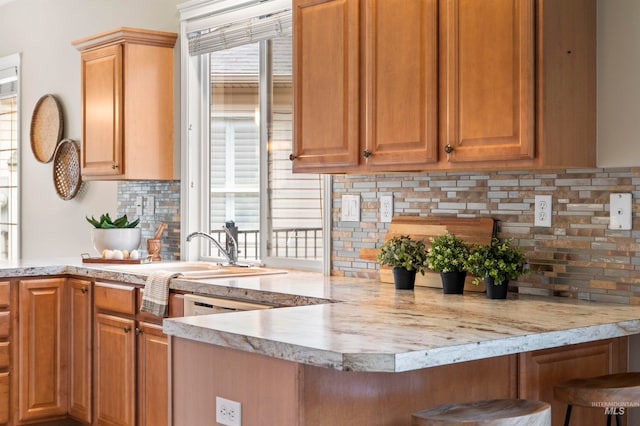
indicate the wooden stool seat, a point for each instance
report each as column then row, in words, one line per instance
column 622, row 389
column 497, row 412
column 609, row 391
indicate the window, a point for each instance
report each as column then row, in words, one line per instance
column 9, row 125
column 239, row 113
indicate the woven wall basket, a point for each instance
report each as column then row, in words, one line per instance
column 66, row 169
column 46, row 128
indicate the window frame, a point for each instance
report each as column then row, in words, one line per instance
column 14, row 60
column 195, row 163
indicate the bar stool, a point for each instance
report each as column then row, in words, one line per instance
column 612, row 391
column 496, row 412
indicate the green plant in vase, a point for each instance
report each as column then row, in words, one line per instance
column 406, row 256
column 449, row 255
column 497, row 264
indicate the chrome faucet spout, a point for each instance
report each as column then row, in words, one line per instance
column 231, row 258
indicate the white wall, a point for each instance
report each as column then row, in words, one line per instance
column 618, row 83
column 42, row 31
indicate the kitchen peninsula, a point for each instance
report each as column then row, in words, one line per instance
column 372, row 355
column 354, row 351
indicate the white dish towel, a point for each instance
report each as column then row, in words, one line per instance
column 155, row 299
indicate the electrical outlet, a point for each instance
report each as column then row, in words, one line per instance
column 620, row 211
column 139, row 201
column 386, row 208
column 351, row 208
column 543, row 211
column 228, row 413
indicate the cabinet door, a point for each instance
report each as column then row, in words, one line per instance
column 487, row 79
column 42, row 349
column 80, row 333
column 153, row 375
column 541, row 370
column 326, row 84
column 401, row 83
column 102, row 136
column 114, row 371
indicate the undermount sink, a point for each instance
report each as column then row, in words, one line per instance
column 196, row 270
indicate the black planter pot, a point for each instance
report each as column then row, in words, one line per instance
column 453, row 282
column 496, row 291
column 403, row 279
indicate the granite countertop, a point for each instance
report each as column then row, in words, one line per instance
column 354, row 324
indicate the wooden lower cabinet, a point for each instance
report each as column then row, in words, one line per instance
column 539, row 371
column 80, row 345
column 114, row 370
column 153, row 385
column 42, row 349
column 130, row 359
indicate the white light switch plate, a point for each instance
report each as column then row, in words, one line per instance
column 620, row 211
column 139, row 201
column 350, row 208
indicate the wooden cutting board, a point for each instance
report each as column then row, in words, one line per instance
column 472, row 230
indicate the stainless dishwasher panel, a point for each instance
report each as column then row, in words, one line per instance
column 195, row 304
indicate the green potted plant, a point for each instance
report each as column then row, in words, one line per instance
column 496, row 264
column 449, row 255
column 406, row 256
column 118, row 234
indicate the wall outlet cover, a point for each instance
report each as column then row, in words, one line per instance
column 543, row 210
column 620, row 211
column 386, row 208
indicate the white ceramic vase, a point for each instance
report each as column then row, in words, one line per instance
column 115, row 239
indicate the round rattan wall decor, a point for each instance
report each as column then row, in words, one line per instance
column 46, row 128
column 66, row 169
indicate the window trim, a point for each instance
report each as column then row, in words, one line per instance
column 8, row 61
column 194, row 162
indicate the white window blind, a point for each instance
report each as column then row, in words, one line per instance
column 248, row 24
column 8, row 81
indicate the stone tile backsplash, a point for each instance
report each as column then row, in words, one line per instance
column 578, row 256
column 167, row 208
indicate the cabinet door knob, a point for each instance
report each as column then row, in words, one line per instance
column 448, row 149
column 127, row 329
column 114, row 166
column 84, row 290
column 138, row 331
column 366, row 153
column 292, row 157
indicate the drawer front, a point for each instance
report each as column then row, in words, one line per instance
column 5, row 324
column 5, row 298
column 176, row 308
column 115, row 298
column 4, row 355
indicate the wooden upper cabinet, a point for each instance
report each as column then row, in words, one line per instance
column 487, row 79
column 443, row 84
column 365, row 85
column 400, row 83
column 127, row 105
column 326, row 67
column 102, row 111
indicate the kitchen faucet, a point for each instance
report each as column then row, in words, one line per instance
column 231, row 254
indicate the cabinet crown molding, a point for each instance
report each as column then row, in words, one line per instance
column 126, row 35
